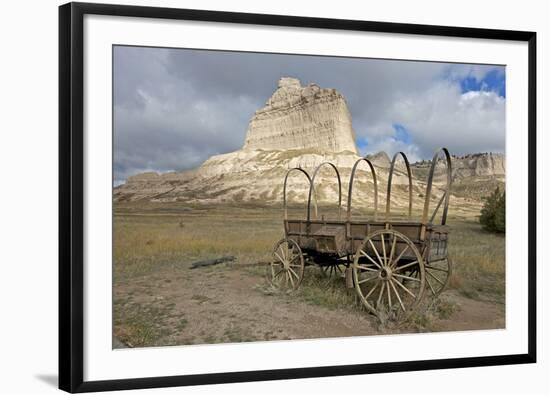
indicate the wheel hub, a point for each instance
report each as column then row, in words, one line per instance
column 286, row 264
column 385, row 274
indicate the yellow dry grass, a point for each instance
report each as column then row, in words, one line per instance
column 152, row 240
column 147, row 236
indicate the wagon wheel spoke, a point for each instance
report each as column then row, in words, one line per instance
column 368, row 269
column 438, row 274
column 376, row 252
column 280, row 258
column 399, row 257
column 398, row 268
column 394, row 242
column 288, row 273
column 281, row 253
column 293, row 273
column 398, row 297
column 332, row 270
column 435, row 286
column 404, row 288
column 367, row 279
column 434, row 293
column 278, row 273
column 296, row 256
column 370, row 259
column 380, row 294
column 293, row 255
column 384, row 251
column 436, row 268
column 389, row 298
column 435, row 278
column 406, row 277
column 372, row 290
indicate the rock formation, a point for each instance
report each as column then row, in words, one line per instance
column 487, row 164
column 380, row 159
column 297, row 117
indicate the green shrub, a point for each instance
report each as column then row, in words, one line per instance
column 493, row 213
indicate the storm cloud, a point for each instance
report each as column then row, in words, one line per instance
column 174, row 108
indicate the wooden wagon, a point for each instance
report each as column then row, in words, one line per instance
column 389, row 263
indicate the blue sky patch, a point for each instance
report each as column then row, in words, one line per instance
column 362, row 144
column 401, row 133
column 494, row 81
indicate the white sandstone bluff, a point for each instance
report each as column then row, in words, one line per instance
column 297, row 117
column 298, row 127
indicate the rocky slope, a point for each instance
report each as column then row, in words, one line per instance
column 486, row 164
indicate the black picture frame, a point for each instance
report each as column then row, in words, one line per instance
column 71, row 181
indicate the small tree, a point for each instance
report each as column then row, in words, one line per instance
column 493, row 213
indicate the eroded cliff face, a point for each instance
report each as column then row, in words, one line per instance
column 297, row 117
column 487, row 164
column 479, row 165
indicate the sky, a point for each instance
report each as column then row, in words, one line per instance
column 174, row 108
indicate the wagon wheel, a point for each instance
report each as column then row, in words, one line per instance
column 437, row 275
column 286, row 270
column 381, row 263
column 333, row 270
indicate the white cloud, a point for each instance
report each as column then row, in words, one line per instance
column 443, row 116
column 175, row 108
column 390, row 145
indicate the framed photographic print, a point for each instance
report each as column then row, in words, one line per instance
column 249, row 197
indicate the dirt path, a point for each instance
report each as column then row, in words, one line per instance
column 470, row 314
column 231, row 303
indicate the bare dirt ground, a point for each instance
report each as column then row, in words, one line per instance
column 232, row 303
column 159, row 300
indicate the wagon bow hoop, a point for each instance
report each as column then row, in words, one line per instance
column 350, row 190
column 312, row 187
column 284, row 189
column 446, row 194
column 390, row 176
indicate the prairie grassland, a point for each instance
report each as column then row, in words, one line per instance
column 478, row 261
column 153, row 241
column 146, row 236
column 150, row 235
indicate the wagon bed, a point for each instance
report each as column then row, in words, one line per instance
column 342, row 238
